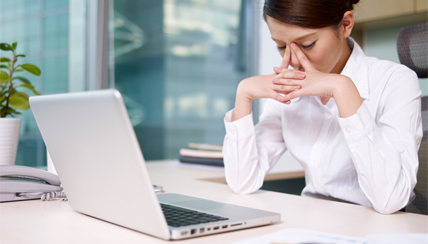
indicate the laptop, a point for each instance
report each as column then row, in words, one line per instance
column 96, row 154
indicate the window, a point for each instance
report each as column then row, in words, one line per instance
column 41, row 28
column 177, row 64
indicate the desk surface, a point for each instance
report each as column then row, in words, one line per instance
column 55, row 221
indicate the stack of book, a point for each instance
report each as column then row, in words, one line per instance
column 205, row 154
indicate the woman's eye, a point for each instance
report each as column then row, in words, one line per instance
column 281, row 48
column 309, row 46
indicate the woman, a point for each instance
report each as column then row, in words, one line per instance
column 352, row 121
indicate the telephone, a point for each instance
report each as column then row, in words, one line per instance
column 25, row 183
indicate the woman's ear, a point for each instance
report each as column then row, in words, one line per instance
column 347, row 23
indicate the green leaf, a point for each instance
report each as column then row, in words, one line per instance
column 8, row 110
column 14, row 45
column 6, row 91
column 19, row 100
column 4, row 66
column 5, row 47
column 23, row 79
column 36, row 92
column 27, row 85
column 21, row 55
column 4, row 77
column 31, row 68
column 31, row 87
column 18, row 70
column 3, row 59
column 4, row 82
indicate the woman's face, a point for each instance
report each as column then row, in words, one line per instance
column 325, row 48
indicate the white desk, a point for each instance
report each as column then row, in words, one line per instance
column 55, row 222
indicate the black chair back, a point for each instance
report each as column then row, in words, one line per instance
column 412, row 47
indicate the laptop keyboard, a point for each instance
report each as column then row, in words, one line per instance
column 176, row 216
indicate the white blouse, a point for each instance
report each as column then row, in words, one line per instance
column 369, row 158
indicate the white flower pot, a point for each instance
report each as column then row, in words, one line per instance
column 9, row 137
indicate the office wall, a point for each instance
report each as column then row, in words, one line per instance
column 381, row 43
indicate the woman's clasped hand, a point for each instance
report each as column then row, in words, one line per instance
column 304, row 80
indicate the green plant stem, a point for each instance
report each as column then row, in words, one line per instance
column 12, row 69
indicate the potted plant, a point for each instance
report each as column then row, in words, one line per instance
column 12, row 99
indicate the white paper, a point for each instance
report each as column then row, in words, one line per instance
column 300, row 236
column 397, row 239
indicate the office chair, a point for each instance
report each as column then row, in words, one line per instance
column 412, row 47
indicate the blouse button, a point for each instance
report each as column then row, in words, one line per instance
column 328, row 116
column 347, row 130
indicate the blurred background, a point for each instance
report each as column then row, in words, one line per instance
column 176, row 62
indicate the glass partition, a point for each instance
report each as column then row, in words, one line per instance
column 177, row 64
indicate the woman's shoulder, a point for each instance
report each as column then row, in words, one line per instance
column 377, row 65
column 379, row 68
column 390, row 73
column 391, row 77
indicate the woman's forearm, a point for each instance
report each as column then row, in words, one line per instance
column 249, row 89
column 347, row 97
column 243, row 105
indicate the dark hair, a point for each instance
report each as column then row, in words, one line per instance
column 312, row 14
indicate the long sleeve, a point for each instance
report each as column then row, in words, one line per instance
column 384, row 148
column 251, row 151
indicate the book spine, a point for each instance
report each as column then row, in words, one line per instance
column 202, row 161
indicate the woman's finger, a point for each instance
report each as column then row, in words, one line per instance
column 285, row 89
column 274, row 95
column 288, row 82
column 285, row 61
column 282, row 67
column 280, row 98
column 291, row 74
column 292, row 95
column 304, row 61
column 286, row 58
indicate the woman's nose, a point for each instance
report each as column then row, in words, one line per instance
column 294, row 62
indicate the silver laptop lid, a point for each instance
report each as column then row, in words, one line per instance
column 100, row 172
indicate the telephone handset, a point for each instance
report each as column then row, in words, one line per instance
column 24, row 183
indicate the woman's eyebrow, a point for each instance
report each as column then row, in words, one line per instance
column 298, row 38
column 306, row 36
